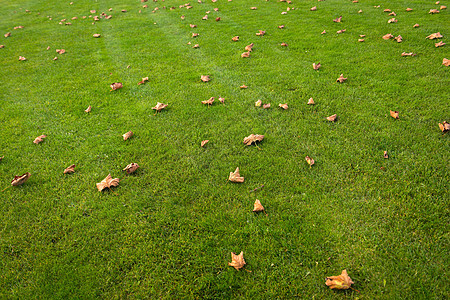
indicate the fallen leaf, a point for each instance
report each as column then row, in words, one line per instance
column 70, row 169
column 398, row 38
column 261, row 33
column 408, row 54
column 257, row 206
column 97, row 35
column 283, row 106
column 205, row 78
column 332, row 118
column 341, row 31
column 203, row 143
column 433, row 11
column 18, row 27
column 388, row 36
column 205, row 17
column 444, row 126
column 385, row 155
column 124, row 10
column 222, row 100
column 196, row 46
column 243, row 86
column 192, row 25
column 393, row 14
column 182, row 17
column 309, row 160
column 159, row 106
column 446, row 62
column 387, row 10
column 249, row 48
column 237, row 261
column 116, row 85
column 209, row 101
column 311, row 101
column 393, row 20
column 323, row 32
column 394, row 114
column 360, row 40
column 235, row 38
column 338, row 20
column 416, row 25
column 131, row 168
column 314, row 8
column 440, row 44
column 8, row 34
column 436, row 35
column 194, row 35
column 144, row 80
column 409, row 9
column 253, row 138
column 21, row 58
column 39, row 139
column 316, row 66
column 245, row 54
column 284, row 13
column 253, row 8
column 341, row 282
column 92, row 11
column 2, row 157
column 341, row 79
column 267, row 105
column 55, row 58
column 217, row 19
column 281, row 26
column 127, row 135
column 443, row 7
column 360, row 11
column 19, row 180
column 284, row 44
column 108, row 182
column 2, row 46
column 258, row 103
column 235, row 176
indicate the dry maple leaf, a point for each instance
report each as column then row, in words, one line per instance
column 235, row 38
column 243, row 86
column 436, row 35
column 253, row 138
column 261, row 33
column 385, row 155
column 309, row 160
column 249, row 47
column 205, row 78
column 311, row 101
column 203, row 143
column 388, row 36
column 314, row 8
column 316, row 66
column 235, row 176
column 394, row 114
column 332, row 118
column 267, row 105
column 88, row 109
column 393, row 20
column 283, row 106
column 144, row 80
column 131, row 168
column 341, row 282
column 39, row 139
column 116, row 85
column 257, row 206
column 70, row 169
column 408, row 54
column 108, row 182
column 338, row 20
column 258, row 103
column 446, row 62
column 245, row 54
column 209, row 101
column 97, row 35
column 440, row 44
column 21, row 58
column 398, row 38
column 19, row 180
column 60, row 51
column 444, row 126
column 341, row 79
column 434, row 11
column 127, row 135
column 237, row 261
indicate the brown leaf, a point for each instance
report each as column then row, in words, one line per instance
column 144, row 80
column 341, row 79
column 409, row 9
column 108, row 182
column 387, row 10
column 235, row 38
column 70, row 169
column 341, row 31
column 311, row 101
column 332, row 118
column 309, row 160
column 159, row 106
column 249, row 48
column 442, row 7
column 385, row 155
column 360, row 40
column 393, row 14
column 194, row 35
column 257, row 206
column 446, row 62
column 338, row 20
column 284, row 44
column 97, row 35
column 399, row 39
column 314, row 8
column 21, row 58
column 196, row 46
column 261, row 33
column 60, row 51
column 258, row 103
column 388, row 36
column 416, row 25
column 243, row 86
column 394, row 114
column 209, row 101
column 440, row 44
column 131, row 168
column 217, row 19
column 283, row 106
column 360, row 11
column 408, row 54
column 116, row 85
column 235, row 176
column 253, row 138
column 444, row 126
column 281, row 26
column 205, row 78
column 205, row 17
column 39, row 139
column 393, row 20
column 192, row 25
column 316, row 66
column 341, row 282
column 323, row 32
column 436, row 35
column 245, row 54
column 8, row 34
column 237, row 261
column 2, row 46
column 222, row 100
column 55, row 58
column 19, row 180
column 253, row 8
column 267, row 105
column 433, row 11
column 127, row 135
column 203, row 143
column 182, row 17
column 18, row 27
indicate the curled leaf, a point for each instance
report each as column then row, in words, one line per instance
column 2, row 46
column 341, row 31
column 245, row 54
column 203, row 143
column 311, row 101
column 8, row 34
column 116, row 85
column 235, row 176
column 257, row 206
column 127, row 135
column 108, row 182
column 409, row 9
column 235, row 38
column 316, row 66
column 205, row 78
column 436, row 35
column 209, row 101
column 253, row 138
column 393, row 14
column 60, row 51
column 314, row 8
column 192, row 25
column 19, row 180
column 388, row 36
column 267, row 105
column 444, row 126
column 194, row 35
column 332, row 118
column 323, row 32
column 283, row 106
column 361, row 40
column 70, row 169
column 222, row 100
column 144, row 80
column 281, row 27
column 97, row 35
column 131, row 168
column 398, row 38
column 261, row 33
column 249, row 48
column 434, row 11
column 408, row 54
column 258, row 103
column 341, row 79
column 338, row 20
column 218, row 19
column 385, row 155
column 39, row 139
column 243, row 86
column 196, row 46
column 394, row 114
column 205, row 17
column 309, row 160
column 446, row 62
column 416, row 25
column 237, row 261
column 341, row 282
column 21, row 58
column 284, row 44
column 55, row 58
column 393, row 20
column 440, row 44
column 387, row 10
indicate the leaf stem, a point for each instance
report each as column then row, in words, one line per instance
column 6, row 188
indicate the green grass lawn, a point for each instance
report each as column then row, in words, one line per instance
column 168, row 229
